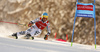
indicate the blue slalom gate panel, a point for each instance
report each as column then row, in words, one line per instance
column 85, row 10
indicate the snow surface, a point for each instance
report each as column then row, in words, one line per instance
column 38, row 44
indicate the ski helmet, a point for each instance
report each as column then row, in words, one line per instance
column 45, row 15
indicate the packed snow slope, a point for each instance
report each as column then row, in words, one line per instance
column 8, row 44
column 40, row 45
column 61, row 17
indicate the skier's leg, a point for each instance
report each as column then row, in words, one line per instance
column 15, row 34
column 32, row 31
column 27, row 36
column 32, row 38
column 19, row 33
column 36, row 32
column 27, row 32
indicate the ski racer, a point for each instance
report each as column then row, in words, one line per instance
column 36, row 29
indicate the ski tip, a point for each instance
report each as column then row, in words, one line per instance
column 71, row 43
column 95, row 46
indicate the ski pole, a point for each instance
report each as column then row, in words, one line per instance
column 22, row 24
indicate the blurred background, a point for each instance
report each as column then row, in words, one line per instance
column 61, row 18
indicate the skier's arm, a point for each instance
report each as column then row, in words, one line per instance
column 37, row 19
column 33, row 21
column 48, row 29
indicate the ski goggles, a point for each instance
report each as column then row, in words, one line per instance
column 45, row 16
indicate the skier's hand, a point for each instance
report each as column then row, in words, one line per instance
column 46, row 37
column 30, row 24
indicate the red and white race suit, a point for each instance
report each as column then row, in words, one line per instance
column 37, row 28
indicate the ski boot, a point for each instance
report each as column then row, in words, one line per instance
column 32, row 38
column 15, row 34
column 27, row 36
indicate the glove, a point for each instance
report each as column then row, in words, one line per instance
column 46, row 37
column 30, row 24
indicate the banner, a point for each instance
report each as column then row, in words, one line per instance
column 85, row 10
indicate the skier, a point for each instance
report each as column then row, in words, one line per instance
column 34, row 30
